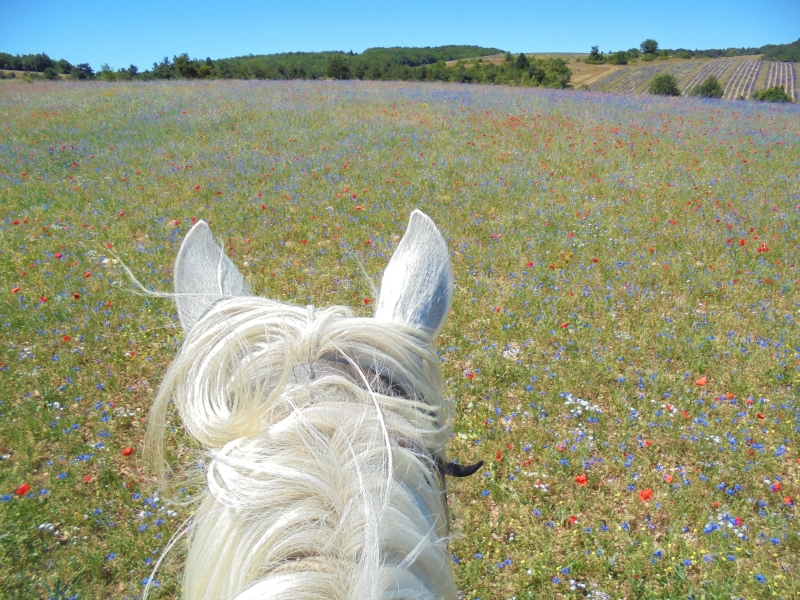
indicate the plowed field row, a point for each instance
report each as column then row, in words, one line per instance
column 742, row 81
column 633, row 78
column 680, row 70
column 783, row 74
column 717, row 68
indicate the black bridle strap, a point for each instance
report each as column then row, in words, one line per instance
column 457, row 470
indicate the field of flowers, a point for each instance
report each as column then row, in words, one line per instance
column 623, row 347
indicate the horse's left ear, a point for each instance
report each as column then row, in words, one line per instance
column 417, row 284
column 203, row 276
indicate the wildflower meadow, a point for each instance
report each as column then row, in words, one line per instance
column 623, row 348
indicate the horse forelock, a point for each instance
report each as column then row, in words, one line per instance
column 321, row 432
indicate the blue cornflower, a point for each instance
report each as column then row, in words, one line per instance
column 485, row 493
column 760, row 578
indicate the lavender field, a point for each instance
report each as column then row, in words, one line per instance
column 623, row 348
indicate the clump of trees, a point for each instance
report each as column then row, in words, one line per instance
column 665, row 84
column 621, row 57
column 710, row 88
column 773, row 94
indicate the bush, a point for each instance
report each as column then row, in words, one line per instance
column 710, row 88
column 773, row 94
column 648, row 57
column 595, row 57
column 50, row 73
column 665, row 85
column 618, row 58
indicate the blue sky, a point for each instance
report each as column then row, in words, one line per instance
column 122, row 33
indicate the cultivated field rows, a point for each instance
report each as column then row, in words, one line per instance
column 742, row 81
column 718, row 68
column 739, row 77
column 782, row 74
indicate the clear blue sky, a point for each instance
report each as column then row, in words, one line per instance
column 121, row 33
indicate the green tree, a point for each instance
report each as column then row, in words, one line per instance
column 86, row 71
column 509, row 57
column 522, row 62
column 618, row 58
column 649, row 46
column 710, row 88
column 64, row 66
column 773, row 94
column 106, row 73
column 51, row 73
column 594, row 56
column 186, row 67
column 338, row 69
column 665, row 84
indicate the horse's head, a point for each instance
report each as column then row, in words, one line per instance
column 324, row 433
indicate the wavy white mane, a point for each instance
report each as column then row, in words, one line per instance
column 324, row 433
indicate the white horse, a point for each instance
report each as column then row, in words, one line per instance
column 324, row 433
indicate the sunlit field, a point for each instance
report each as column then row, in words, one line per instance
column 623, row 347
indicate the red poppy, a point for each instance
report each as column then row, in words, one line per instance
column 23, row 489
column 66, row 338
column 15, row 289
column 573, row 520
column 702, row 381
column 87, row 479
column 582, row 479
column 499, row 456
column 645, row 494
column 127, row 451
column 366, row 300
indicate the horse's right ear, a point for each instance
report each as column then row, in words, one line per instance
column 203, row 276
column 417, row 284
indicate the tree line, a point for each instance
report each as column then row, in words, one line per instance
column 649, row 50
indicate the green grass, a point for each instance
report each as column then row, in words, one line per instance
column 591, row 257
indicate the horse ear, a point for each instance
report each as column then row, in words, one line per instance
column 417, row 284
column 203, row 276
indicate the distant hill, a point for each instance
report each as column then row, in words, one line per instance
column 373, row 63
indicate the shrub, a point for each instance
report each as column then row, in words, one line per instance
column 50, row 73
column 710, row 88
column 665, row 85
column 648, row 57
column 618, row 58
column 773, row 94
column 595, row 57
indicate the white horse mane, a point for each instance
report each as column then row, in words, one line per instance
column 324, row 433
